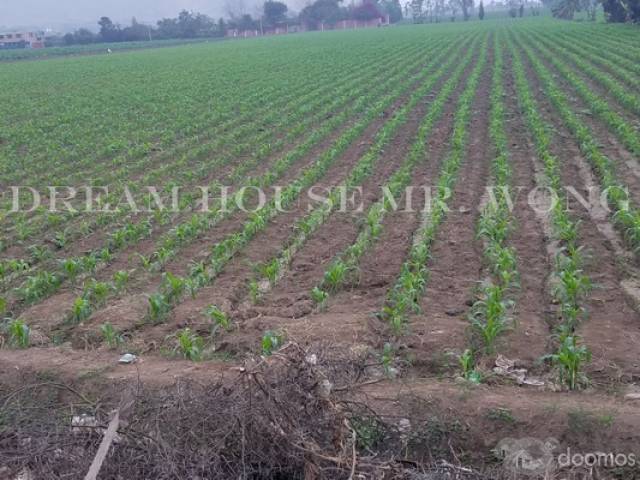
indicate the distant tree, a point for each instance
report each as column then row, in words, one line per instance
column 393, row 9
column 565, row 9
column 439, row 9
column 591, row 7
column 416, row 10
column 192, row 25
column 513, row 8
column 248, row 23
column 428, row 10
column 521, row 10
column 244, row 22
column 621, row 10
column 634, row 10
column 187, row 24
column 481, row 11
column 466, row 6
column 274, row 12
column 323, row 11
column 168, row 28
column 615, row 11
column 222, row 27
column 367, row 10
column 84, row 36
column 109, row 31
column 136, row 32
column 454, row 5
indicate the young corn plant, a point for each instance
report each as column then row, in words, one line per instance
column 97, row 292
column 192, row 287
column 254, row 291
column 39, row 253
column 111, row 336
column 569, row 359
column 396, row 317
column 319, row 297
column 60, row 239
column 571, row 287
column 72, row 267
column 159, row 307
column 335, row 275
column 120, row 280
column 173, row 287
column 271, row 341
column 489, row 316
column 189, row 345
column 270, row 271
column 18, row 334
column 387, row 358
column 146, row 261
column 18, row 265
column 80, row 310
column 468, row 366
column 219, row 318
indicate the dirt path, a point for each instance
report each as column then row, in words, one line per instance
column 450, row 417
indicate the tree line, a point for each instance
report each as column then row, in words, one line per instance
column 190, row 25
column 616, row 11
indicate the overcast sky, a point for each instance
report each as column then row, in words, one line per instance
column 58, row 13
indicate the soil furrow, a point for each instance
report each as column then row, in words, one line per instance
column 456, row 265
column 526, row 342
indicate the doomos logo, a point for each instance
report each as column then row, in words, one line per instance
column 528, row 457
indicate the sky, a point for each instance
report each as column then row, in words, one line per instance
column 61, row 14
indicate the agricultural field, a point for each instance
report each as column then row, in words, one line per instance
column 92, row 49
column 404, row 245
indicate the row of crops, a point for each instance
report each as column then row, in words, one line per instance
column 297, row 113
